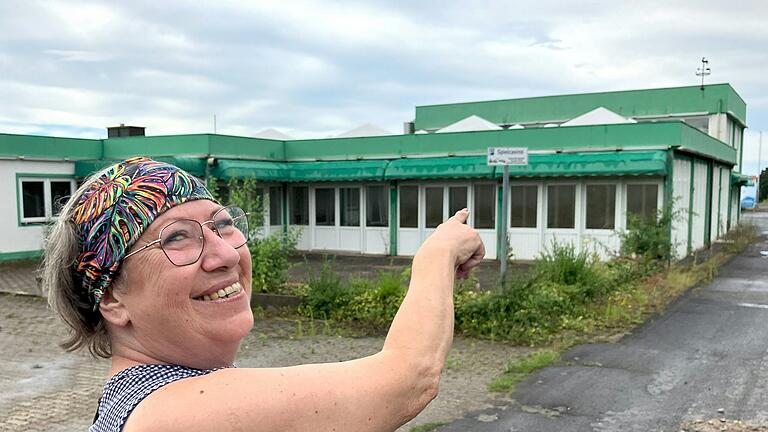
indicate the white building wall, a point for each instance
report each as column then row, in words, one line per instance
column 681, row 191
column 24, row 237
column 725, row 182
column 699, row 207
column 714, row 222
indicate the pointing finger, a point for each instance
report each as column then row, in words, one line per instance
column 461, row 215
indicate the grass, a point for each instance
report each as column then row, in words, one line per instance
column 517, row 370
column 427, row 427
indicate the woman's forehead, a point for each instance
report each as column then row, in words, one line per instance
column 199, row 210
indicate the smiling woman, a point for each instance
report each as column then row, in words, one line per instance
column 172, row 317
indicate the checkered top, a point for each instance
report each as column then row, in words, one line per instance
column 124, row 391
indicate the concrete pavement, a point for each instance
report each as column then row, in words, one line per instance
column 705, row 357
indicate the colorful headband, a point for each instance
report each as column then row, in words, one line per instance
column 116, row 209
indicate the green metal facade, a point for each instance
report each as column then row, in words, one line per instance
column 193, row 150
column 717, row 98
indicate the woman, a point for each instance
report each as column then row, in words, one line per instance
column 149, row 270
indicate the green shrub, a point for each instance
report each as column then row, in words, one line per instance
column 326, row 294
column 269, row 257
column 649, row 238
column 375, row 308
column 367, row 304
column 559, row 292
column 580, row 271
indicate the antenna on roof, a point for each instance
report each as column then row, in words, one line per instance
column 703, row 71
column 214, row 123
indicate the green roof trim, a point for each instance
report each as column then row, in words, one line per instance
column 354, row 170
column 194, row 166
column 695, row 141
column 441, row 167
column 48, row 148
column 198, row 145
column 663, row 134
column 621, row 163
column 741, row 179
column 715, row 98
column 261, row 170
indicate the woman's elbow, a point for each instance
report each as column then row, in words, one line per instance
column 425, row 391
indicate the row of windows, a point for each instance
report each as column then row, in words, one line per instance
column 642, row 200
column 440, row 202
column 41, row 199
column 376, row 210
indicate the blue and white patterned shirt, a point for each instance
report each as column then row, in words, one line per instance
column 124, row 391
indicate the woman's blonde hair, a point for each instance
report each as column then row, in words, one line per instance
column 66, row 295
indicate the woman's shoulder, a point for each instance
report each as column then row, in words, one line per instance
column 127, row 388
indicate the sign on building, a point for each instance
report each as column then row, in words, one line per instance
column 507, row 156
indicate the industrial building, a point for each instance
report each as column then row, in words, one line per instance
column 593, row 159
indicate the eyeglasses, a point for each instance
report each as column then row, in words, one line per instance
column 182, row 241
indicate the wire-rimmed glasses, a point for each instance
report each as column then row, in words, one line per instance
column 182, row 240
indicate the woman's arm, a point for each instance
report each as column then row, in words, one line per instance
column 375, row 393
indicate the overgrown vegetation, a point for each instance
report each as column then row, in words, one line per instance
column 368, row 305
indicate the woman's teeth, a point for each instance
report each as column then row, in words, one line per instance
column 222, row 293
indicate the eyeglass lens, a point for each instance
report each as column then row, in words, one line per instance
column 182, row 241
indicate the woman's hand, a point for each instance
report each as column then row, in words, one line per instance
column 454, row 236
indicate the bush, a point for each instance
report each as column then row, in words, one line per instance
column 326, row 294
column 560, row 292
column 366, row 304
column 648, row 238
column 269, row 258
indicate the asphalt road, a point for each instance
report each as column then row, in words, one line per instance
column 705, row 358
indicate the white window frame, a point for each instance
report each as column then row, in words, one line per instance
column 47, row 204
column 616, row 204
column 624, row 191
column 539, row 198
column 577, row 218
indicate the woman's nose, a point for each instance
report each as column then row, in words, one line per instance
column 217, row 252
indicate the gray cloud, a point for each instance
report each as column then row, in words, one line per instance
column 316, row 68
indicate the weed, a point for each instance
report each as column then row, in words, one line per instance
column 427, row 427
column 517, row 370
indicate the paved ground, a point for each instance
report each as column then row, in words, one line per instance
column 45, row 389
column 702, row 365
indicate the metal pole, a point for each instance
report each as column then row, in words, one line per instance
column 504, row 212
column 759, row 163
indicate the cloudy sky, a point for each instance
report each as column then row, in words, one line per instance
column 315, row 69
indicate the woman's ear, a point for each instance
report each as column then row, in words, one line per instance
column 113, row 309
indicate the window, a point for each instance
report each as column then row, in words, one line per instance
column 325, row 207
column 434, row 206
column 700, row 123
column 561, row 206
column 485, row 206
column 376, row 206
column 523, row 202
column 42, row 199
column 275, row 205
column 601, row 206
column 349, row 200
column 300, row 205
column 409, row 207
column 642, row 201
column 457, row 199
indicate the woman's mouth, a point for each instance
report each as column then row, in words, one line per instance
column 226, row 292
